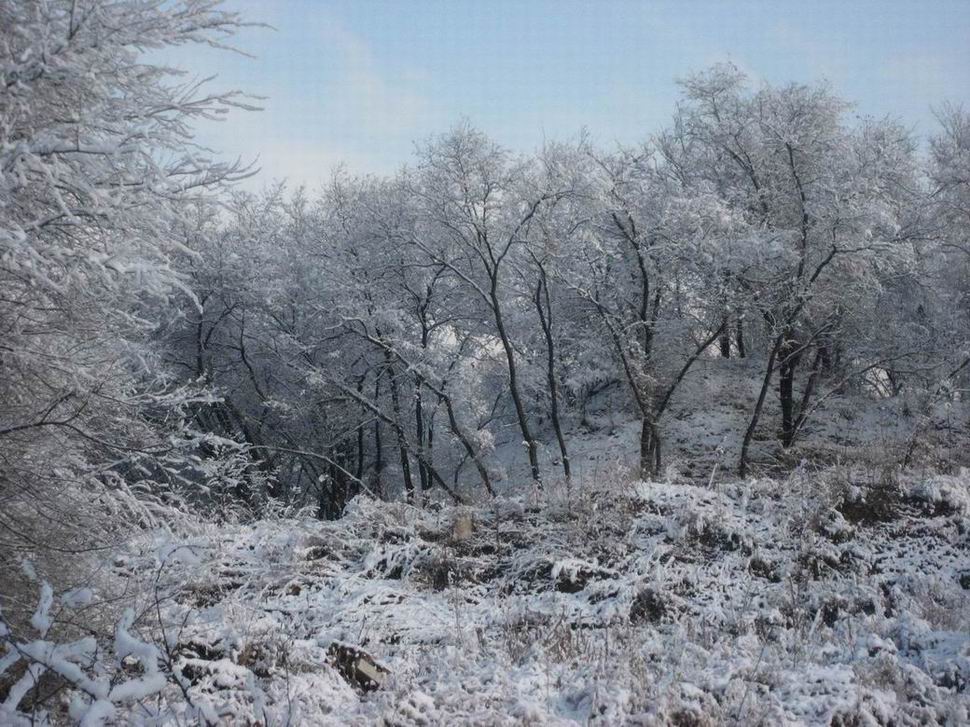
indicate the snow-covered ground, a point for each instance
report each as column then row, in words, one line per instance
column 703, row 428
column 820, row 599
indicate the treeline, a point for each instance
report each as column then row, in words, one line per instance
column 384, row 333
column 162, row 335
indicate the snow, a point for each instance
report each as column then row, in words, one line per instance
column 41, row 620
column 186, row 370
column 99, row 713
column 77, row 597
column 135, row 690
column 637, row 602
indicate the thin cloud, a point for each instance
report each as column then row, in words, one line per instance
column 364, row 95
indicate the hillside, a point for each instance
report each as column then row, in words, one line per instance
column 815, row 600
column 659, row 418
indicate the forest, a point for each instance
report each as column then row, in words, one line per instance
column 673, row 433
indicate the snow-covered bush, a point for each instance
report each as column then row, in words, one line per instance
column 45, row 676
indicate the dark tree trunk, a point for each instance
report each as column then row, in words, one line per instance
column 756, row 414
column 825, row 356
column 420, row 428
column 739, row 338
column 401, row 443
column 544, row 308
column 423, row 458
column 332, row 498
column 378, row 446
column 375, row 409
column 529, row 440
column 359, row 470
column 650, row 459
column 807, row 394
column 420, row 433
column 789, row 356
column 324, row 497
column 724, row 341
column 466, row 443
column 646, row 455
column 786, row 380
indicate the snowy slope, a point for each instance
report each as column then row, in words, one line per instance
column 815, row 600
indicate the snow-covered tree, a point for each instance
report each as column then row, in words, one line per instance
column 827, row 203
column 97, row 170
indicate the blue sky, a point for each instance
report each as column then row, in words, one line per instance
column 359, row 81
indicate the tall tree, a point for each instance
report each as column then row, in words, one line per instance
column 97, row 168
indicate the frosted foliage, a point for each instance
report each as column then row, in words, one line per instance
column 664, row 433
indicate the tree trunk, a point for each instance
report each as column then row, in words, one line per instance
column 423, row 458
column 789, row 355
column 420, row 432
column 430, row 449
column 375, row 409
column 466, row 443
column 378, row 446
column 419, row 424
column 724, row 341
column 807, row 394
column 650, row 459
column 545, row 319
column 527, row 437
column 359, row 472
column 401, row 443
column 739, row 338
column 756, row 415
